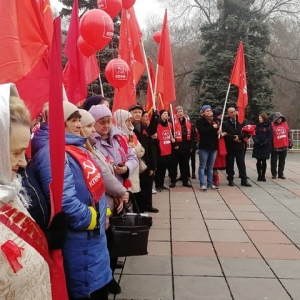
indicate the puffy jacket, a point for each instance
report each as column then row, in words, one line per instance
column 85, row 254
column 114, row 151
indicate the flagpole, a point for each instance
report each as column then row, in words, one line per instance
column 101, row 86
column 172, row 118
column 155, row 83
column 149, row 77
column 224, row 106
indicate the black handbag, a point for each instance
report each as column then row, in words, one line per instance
column 128, row 233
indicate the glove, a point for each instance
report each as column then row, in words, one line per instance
column 56, row 234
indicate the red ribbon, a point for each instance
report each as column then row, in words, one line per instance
column 12, row 253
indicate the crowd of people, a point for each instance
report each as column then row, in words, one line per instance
column 109, row 159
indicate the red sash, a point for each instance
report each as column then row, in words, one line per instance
column 178, row 131
column 91, row 172
column 27, row 230
column 280, row 135
column 164, row 137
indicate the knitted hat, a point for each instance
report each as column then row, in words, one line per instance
column 86, row 118
column 205, row 107
column 216, row 112
column 179, row 108
column 89, row 102
column 69, row 109
column 135, row 106
column 100, row 111
column 162, row 111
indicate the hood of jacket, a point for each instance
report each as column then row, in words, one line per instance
column 277, row 115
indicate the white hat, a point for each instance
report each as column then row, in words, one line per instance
column 69, row 109
column 86, row 118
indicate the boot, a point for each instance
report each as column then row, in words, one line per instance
column 263, row 173
column 216, row 180
column 258, row 169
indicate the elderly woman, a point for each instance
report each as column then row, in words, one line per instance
column 111, row 142
column 85, row 253
column 24, row 272
column 123, row 120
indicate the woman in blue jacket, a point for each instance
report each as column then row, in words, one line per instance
column 85, row 254
column 262, row 145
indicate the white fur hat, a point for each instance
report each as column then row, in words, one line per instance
column 69, row 109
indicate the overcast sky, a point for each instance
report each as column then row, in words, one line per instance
column 141, row 7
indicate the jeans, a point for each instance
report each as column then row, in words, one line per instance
column 207, row 159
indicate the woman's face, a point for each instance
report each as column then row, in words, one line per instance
column 73, row 126
column 102, row 126
column 18, row 143
column 128, row 123
column 89, row 130
column 279, row 120
column 145, row 119
column 260, row 119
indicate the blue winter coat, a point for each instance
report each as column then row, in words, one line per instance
column 262, row 140
column 85, row 254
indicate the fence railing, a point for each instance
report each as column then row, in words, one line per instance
column 295, row 137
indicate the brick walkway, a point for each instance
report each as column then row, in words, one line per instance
column 237, row 243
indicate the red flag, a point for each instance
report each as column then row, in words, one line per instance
column 238, row 78
column 57, row 154
column 130, row 50
column 24, row 51
column 165, row 79
column 92, row 70
column 47, row 17
column 74, row 72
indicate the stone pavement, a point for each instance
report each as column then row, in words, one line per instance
column 237, row 243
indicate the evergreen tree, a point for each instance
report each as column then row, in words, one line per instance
column 236, row 22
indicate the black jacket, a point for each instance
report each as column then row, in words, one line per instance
column 233, row 130
column 144, row 137
column 262, row 140
column 208, row 135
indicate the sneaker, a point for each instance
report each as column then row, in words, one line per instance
column 153, row 191
column 214, row 187
column 164, row 188
column 203, row 188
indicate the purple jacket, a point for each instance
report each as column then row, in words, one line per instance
column 114, row 151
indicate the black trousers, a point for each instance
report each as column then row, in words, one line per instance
column 101, row 294
column 193, row 162
column 144, row 197
column 261, row 166
column 160, row 175
column 181, row 158
column 278, row 156
column 239, row 156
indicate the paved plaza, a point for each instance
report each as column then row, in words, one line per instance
column 238, row 243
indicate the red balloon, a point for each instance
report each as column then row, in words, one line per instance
column 84, row 47
column 117, row 73
column 96, row 28
column 127, row 3
column 112, row 7
column 157, row 36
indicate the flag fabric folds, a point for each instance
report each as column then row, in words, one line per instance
column 91, row 67
column 74, row 72
column 24, row 50
column 238, row 78
column 57, row 155
column 165, row 80
column 130, row 50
